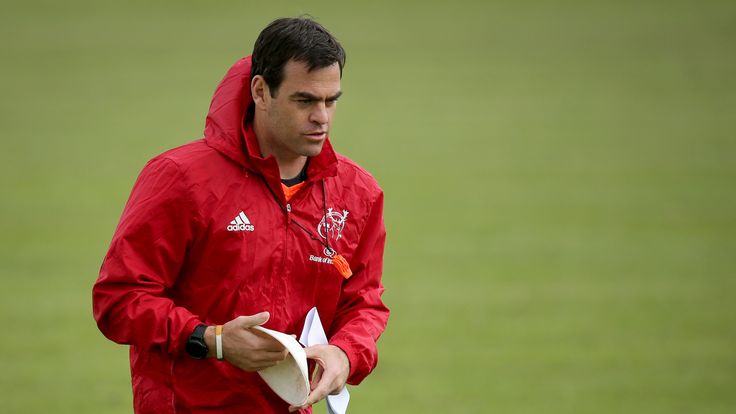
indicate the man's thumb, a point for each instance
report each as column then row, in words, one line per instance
column 255, row 320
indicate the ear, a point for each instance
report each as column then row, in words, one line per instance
column 259, row 91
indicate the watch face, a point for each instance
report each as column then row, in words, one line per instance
column 196, row 349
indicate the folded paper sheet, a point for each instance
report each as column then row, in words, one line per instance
column 314, row 334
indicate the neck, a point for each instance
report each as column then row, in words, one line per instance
column 290, row 164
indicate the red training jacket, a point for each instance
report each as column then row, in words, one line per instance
column 207, row 236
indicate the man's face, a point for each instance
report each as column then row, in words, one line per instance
column 298, row 119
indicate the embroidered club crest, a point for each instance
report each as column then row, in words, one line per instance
column 332, row 224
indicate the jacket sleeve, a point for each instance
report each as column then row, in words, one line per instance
column 129, row 299
column 361, row 316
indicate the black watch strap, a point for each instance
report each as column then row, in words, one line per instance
column 196, row 346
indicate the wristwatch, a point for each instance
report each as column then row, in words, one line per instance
column 196, row 347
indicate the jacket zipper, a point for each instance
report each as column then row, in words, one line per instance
column 282, row 274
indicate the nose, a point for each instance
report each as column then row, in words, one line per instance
column 319, row 114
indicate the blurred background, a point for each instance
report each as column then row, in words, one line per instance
column 559, row 182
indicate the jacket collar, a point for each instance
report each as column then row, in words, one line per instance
column 227, row 131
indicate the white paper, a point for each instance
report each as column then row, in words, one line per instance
column 314, row 334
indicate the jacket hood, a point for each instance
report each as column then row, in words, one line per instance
column 226, row 132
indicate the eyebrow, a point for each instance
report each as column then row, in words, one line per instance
column 309, row 96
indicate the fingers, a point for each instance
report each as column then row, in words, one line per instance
column 321, row 391
column 323, row 380
column 330, row 375
column 261, row 340
column 253, row 320
column 316, row 377
column 314, row 352
column 266, row 342
column 250, row 349
column 318, row 393
column 268, row 357
column 258, row 366
column 258, row 360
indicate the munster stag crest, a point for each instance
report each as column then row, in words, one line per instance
column 332, row 224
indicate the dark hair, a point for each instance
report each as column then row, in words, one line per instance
column 298, row 38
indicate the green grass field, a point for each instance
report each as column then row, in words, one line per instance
column 559, row 176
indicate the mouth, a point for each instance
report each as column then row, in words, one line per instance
column 317, row 135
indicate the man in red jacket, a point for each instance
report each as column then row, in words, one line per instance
column 253, row 225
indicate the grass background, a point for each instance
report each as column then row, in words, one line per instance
column 559, row 179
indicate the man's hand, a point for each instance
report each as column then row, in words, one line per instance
column 330, row 375
column 247, row 349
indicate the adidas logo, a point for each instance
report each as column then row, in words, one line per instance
column 241, row 223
